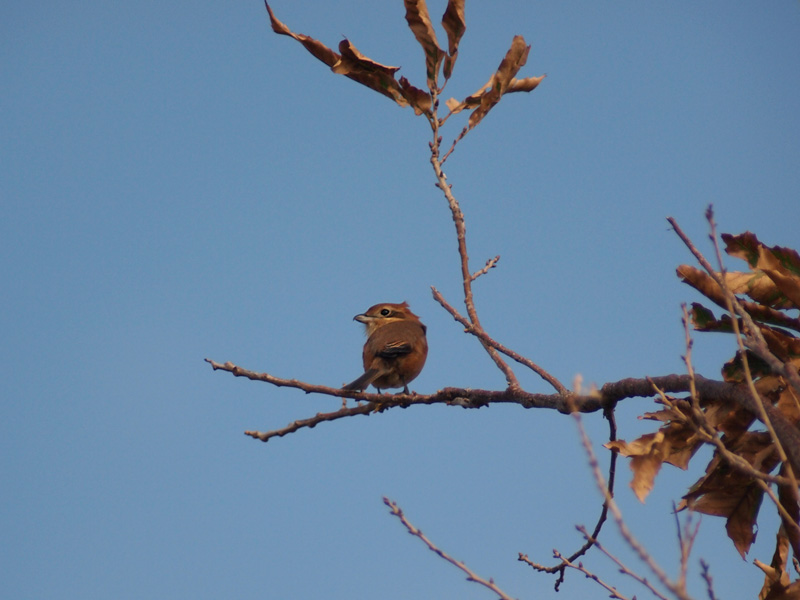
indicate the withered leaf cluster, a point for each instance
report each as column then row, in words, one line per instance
column 348, row 61
column 769, row 292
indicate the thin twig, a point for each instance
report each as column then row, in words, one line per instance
column 686, row 538
column 614, row 593
column 623, row 568
column 486, row 339
column 471, row 575
column 705, row 572
column 590, row 540
column 461, row 235
column 455, row 141
column 626, row 533
column 490, row 264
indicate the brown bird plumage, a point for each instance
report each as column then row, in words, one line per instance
column 396, row 347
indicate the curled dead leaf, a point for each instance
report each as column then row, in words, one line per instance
column 353, row 64
column 781, row 265
column 419, row 21
column 726, row 492
column 647, row 456
column 455, row 26
column 514, row 60
column 315, row 47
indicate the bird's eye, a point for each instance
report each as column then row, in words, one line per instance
column 385, row 312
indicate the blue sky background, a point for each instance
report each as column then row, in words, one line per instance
column 178, row 183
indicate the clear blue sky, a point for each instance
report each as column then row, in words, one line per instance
column 178, row 183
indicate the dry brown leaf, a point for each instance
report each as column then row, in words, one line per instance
column 419, row 21
column 738, row 501
column 675, row 443
column 702, row 282
column 776, row 580
column 515, row 85
column 367, row 72
column 789, row 403
column 514, row 60
column 728, row 493
column 524, row 85
column 735, row 422
column 744, row 246
column 733, row 371
column 787, row 498
column 790, row 592
column 455, row 26
column 741, row 524
column 471, row 101
column 780, row 343
column 419, row 100
column 352, row 61
column 315, row 47
column 454, row 105
column 756, row 285
column 646, row 460
column 782, row 265
column 354, row 65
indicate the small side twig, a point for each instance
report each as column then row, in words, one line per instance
column 455, row 141
column 490, row 264
column 471, row 575
column 613, row 592
column 674, row 588
column 623, row 568
column 591, row 540
column 686, row 538
column 705, row 572
column 487, row 340
column 461, row 236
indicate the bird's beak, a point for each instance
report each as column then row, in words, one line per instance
column 361, row 318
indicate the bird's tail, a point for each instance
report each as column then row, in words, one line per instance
column 363, row 382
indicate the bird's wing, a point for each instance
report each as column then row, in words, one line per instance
column 394, row 349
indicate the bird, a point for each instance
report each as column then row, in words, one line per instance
column 395, row 350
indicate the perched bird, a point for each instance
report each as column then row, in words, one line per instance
column 395, row 350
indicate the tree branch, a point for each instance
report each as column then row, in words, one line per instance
column 461, row 235
column 607, row 396
column 471, row 576
column 591, row 540
column 485, row 339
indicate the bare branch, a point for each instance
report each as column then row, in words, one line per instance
column 490, row 264
column 607, row 396
column 590, row 540
column 676, row 589
column 471, row 575
column 589, row 575
column 686, row 538
column 706, row 574
column 487, row 340
column 623, row 568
